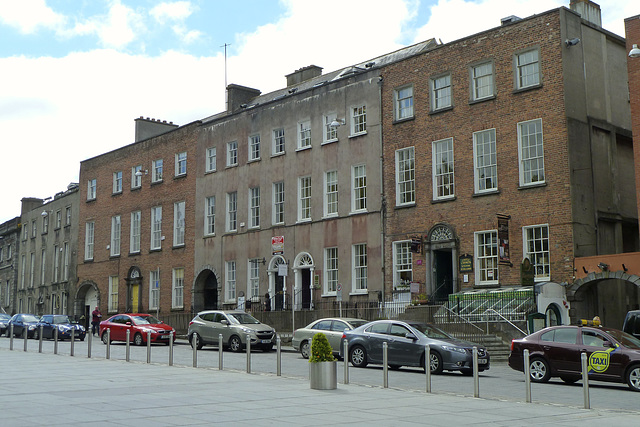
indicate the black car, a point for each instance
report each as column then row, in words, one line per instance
column 22, row 323
column 50, row 322
column 4, row 319
column 631, row 323
column 613, row 355
column 406, row 343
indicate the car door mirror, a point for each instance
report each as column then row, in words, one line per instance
column 128, row 323
column 410, row 336
column 224, row 321
column 607, row 344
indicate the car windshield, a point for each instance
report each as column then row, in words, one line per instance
column 61, row 319
column 145, row 320
column 625, row 339
column 29, row 318
column 244, row 318
column 4, row 317
column 430, row 331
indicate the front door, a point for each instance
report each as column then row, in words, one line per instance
column 279, row 297
column 306, row 290
column 210, row 292
column 134, row 298
column 443, row 276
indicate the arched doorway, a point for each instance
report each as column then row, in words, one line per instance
column 442, row 255
column 134, row 290
column 277, row 282
column 303, row 267
column 86, row 299
column 206, row 291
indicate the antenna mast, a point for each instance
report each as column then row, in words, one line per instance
column 226, row 95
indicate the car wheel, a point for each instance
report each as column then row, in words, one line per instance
column 235, row 344
column 633, row 378
column 569, row 380
column 105, row 339
column 137, row 339
column 305, row 349
column 358, row 356
column 196, row 340
column 36, row 334
column 539, row 370
column 435, row 362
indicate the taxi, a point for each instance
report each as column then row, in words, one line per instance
column 612, row 355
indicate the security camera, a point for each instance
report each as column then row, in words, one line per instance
column 572, row 42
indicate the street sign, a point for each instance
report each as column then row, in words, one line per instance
column 339, row 292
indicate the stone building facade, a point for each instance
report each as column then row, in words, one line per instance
column 9, row 247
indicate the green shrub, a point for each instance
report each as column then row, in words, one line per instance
column 320, row 349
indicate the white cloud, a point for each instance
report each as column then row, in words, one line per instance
column 29, row 15
column 175, row 11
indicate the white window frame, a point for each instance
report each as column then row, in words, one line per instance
column 67, row 216
column 232, row 211
column 359, row 188
column 230, row 281
column 212, row 160
column 441, row 92
column 402, row 263
column 232, row 153
column 177, row 287
column 304, row 134
column 117, row 182
column 156, row 228
column 89, row 240
column 330, row 194
column 485, row 163
column 278, row 203
column 65, row 261
column 527, row 69
column 136, row 180
column 157, row 170
column 116, row 225
column 254, row 147
column 113, row 294
column 45, row 224
column 154, row 291
column 358, row 120
column 330, row 133
column 405, row 177
column 181, row 164
column 304, row 198
column 134, row 232
column 443, row 180
column 210, row 216
column 43, row 265
column 56, row 264
column 179, row 225
column 529, row 163
column 59, row 219
column 403, row 102
column 91, row 189
column 360, row 267
column 486, row 257
column 254, row 207
column 253, row 278
column 331, row 270
column 482, row 81
column 535, row 241
column 278, row 142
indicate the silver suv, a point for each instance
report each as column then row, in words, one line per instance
column 234, row 326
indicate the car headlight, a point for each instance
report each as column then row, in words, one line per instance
column 455, row 349
column 147, row 330
column 247, row 330
column 32, row 327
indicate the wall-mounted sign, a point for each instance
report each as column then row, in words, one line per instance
column 503, row 240
column 416, row 245
column 282, row 270
column 465, row 263
column 277, row 245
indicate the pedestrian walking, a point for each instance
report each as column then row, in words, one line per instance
column 95, row 321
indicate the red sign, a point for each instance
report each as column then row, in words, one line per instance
column 277, row 245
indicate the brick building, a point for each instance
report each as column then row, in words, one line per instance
column 136, row 226
column 506, row 157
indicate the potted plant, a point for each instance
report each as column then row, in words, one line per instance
column 323, row 372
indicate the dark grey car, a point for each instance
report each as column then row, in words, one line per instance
column 234, row 326
column 406, row 343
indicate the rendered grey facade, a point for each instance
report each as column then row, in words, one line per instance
column 9, row 244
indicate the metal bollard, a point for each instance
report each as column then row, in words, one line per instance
column 172, row 336
column 220, row 349
column 476, row 378
column 278, row 357
column 11, row 337
column 89, row 345
column 73, row 338
column 385, row 366
column 149, row 347
column 128, row 346
column 585, row 380
column 195, row 351
column 55, row 341
column 527, row 375
column 345, row 354
column 248, row 354
column 427, row 366
column 25, row 332
column 109, row 343
column 40, row 339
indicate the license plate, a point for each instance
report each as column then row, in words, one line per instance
column 482, row 361
column 265, row 341
column 164, row 337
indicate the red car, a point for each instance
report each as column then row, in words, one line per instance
column 138, row 325
column 612, row 355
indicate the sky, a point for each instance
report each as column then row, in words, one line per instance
column 74, row 74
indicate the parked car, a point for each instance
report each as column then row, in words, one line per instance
column 331, row 327
column 138, row 325
column 4, row 319
column 64, row 325
column 234, row 326
column 406, row 341
column 631, row 323
column 613, row 355
column 22, row 323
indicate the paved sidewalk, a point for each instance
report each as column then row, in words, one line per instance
column 54, row 390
